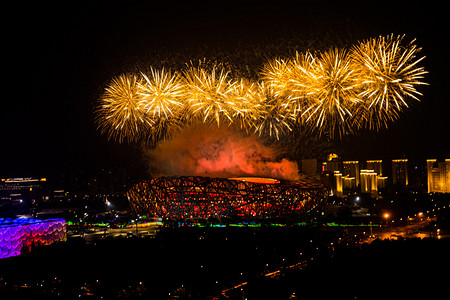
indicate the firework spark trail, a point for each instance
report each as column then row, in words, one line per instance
column 277, row 113
column 209, row 94
column 389, row 74
column 120, row 114
column 334, row 86
column 162, row 92
column 162, row 99
column 337, row 90
column 248, row 108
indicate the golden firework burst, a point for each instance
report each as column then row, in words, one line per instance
column 389, row 72
column 209, row 91
column 120, row 114
column 248, row 104
column 163, row 98
column 333, row 91
column 276, row 115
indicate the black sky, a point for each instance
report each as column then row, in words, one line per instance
column 59, row 58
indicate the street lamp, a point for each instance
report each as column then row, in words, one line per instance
column 386, row 216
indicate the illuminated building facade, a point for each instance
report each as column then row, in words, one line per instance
column 18, row 195
column 376, row 165
column 349, row 183
column 332, row 164
column 400, row 172
column 438, row 176
column 18, row 235
column 351, row 170
column 25, row 189
column 369, row 184
column 186, row 197
column 381, row 182
column 337, row 185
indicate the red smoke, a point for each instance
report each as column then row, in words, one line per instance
column 218, row 152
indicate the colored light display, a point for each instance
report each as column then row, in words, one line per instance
column 18, row 235
column 186, row 197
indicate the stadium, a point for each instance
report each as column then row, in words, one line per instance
column 196, row 197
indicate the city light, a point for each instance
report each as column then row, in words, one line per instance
column 225, row 151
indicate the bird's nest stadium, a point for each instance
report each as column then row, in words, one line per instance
column 196, row 197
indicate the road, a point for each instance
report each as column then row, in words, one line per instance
column 418, row 229
column 99, row 233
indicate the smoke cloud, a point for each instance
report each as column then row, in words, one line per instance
column 218, row 152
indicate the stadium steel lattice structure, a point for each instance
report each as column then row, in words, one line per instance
column 186, row 197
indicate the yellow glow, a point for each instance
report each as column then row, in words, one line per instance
column 333, row 92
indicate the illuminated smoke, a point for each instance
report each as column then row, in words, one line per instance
column 218, row 152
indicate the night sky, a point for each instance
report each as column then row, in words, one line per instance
column 60, row 57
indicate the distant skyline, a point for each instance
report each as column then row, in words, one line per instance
column 61, row 57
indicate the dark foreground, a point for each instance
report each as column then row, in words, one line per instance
column 200, row 263
column 405, row 269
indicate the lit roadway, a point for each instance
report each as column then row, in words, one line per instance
column 418, row 229
column 149, row 230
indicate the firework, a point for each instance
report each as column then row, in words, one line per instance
column 121, row 115
column 337, row 90
column 389, row 74
column 162, row 99
column 209, row 91
column 247, row 104
column 276, row 74
column 301, row 83
column 276, row 117
column 162, row 93
column 333, row 90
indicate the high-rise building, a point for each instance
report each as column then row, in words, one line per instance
column 438, row 176
column 381, row 182
column 337, row 186
column 351, row 170
column 332, row 164
column 349, row 183
column 369, row 183
column 376, row 165
column 400, row 172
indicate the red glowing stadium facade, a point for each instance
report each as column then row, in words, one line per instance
column 187, row 197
